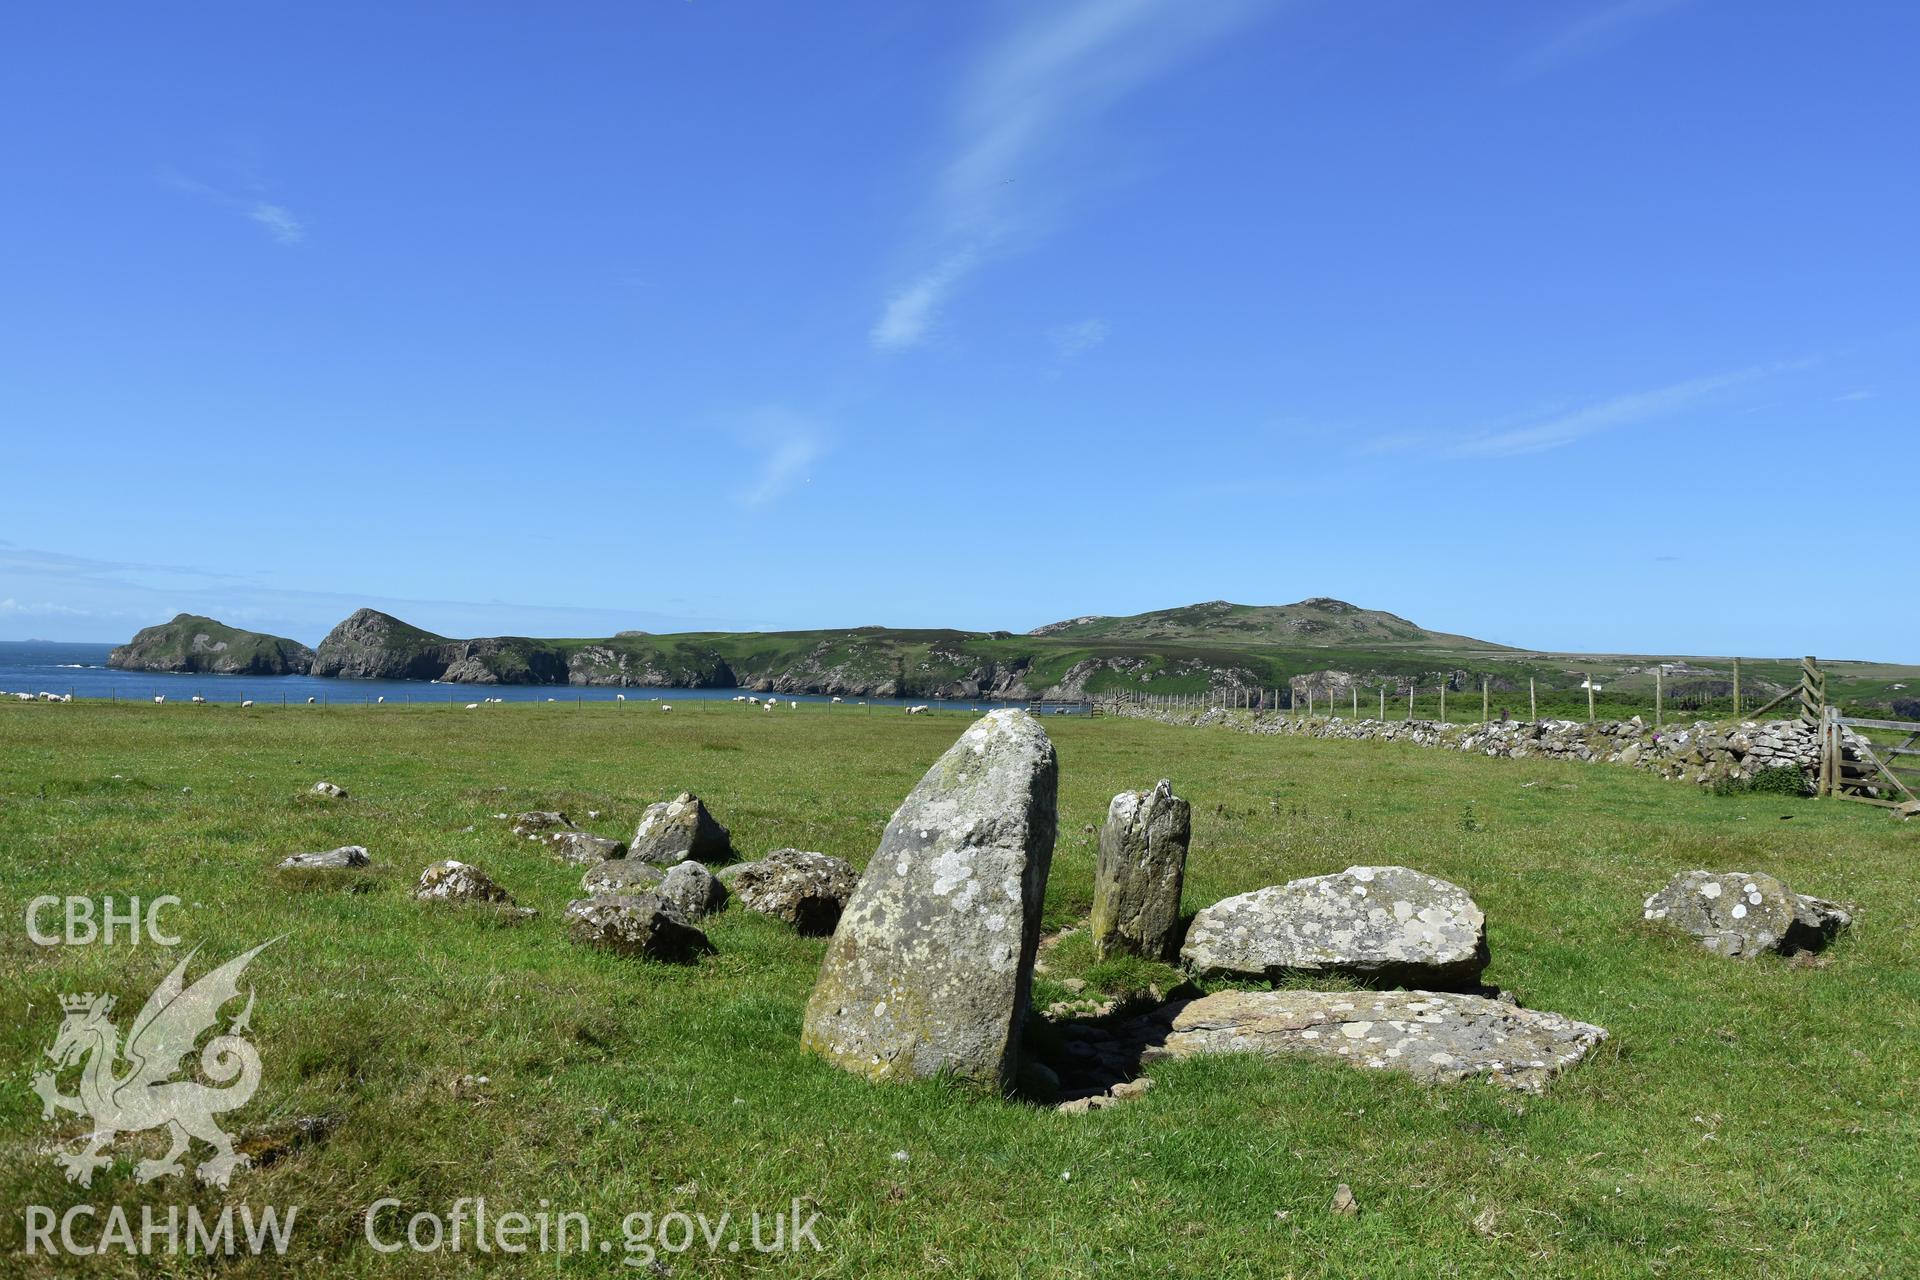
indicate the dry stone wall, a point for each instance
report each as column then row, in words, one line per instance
column 1701, row 753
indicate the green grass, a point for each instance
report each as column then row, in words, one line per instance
column 1745, row 1119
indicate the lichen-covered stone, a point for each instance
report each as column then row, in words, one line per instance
column 621, row 875
column 452, row 881
column 1137, row 877
column 1386, row 924
column 807, row 890
column 930, row 968
column 1433, row 1036
column 540, row 820
column 690, row 889
column 1741, row 913
column 679, row 830
column 635, row 925
column 582, row 848
column 346, row 857
column 329, row 790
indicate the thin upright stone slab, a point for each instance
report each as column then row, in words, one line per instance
column 1137, row 879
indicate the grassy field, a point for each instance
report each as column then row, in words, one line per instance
column 1745, row 1119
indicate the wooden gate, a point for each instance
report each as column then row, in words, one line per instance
column 1884, row 767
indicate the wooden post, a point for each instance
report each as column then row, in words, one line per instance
column 1589, row 697
column 1813, row 691
column 1383, row 704
column 1659, row 694
column 1409, row 702
column 1443, row 702
column 1736, row 688
column 1533, row 704
column 1486, row 712
column 1356, row 702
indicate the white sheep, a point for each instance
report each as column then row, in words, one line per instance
column 619, row 697
column 382, row 698
column 793, row 704
column 197, row 699
column 473, row 706
column 311, row 701
column 159, row 698
column 244, row 705
column 836, row 697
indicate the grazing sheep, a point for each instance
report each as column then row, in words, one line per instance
column 244, row 705
column 197, row 699
column 473, row 706
column 159, row 698
column 914, row 711
column 666, row 706
column 836, row 697
column 619, row 697
column 380, row 699
column 311, row 701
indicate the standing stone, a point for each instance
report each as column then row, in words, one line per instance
column 1741, row 913
column 1364, row 923
column 929, row 970
column 680, row 829
column 1136, row 882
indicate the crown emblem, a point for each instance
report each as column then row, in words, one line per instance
column 83, row 1002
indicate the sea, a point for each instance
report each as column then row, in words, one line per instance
column 37, row 666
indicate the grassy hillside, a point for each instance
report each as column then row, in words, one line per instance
column 1319, row 622
column 1745, row 1120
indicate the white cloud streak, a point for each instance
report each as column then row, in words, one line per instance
column 1021, row 112
column 279, row 221
column 1597, row 31
column 788, row 444
column 1618, row 412
column 1071, row 341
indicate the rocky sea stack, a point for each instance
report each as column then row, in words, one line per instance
column 193, row 643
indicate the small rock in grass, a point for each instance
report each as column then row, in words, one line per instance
column 690, row 889
column 621, row 875
column 1343, row 1202
column 329, row 790
column 635, row 925
column 346, row 857
column 583, row 847
column 539, row 820
column 1741, row 914
column 452, row 881
column 807, row 890
column 680, row 830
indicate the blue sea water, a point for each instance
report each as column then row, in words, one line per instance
column 34, row 666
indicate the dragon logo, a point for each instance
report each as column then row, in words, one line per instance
column 141, row 1093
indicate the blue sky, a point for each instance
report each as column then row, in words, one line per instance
column 1571, row 325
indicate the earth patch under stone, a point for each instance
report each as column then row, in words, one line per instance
column 1366, row 923
column 1430, row 1035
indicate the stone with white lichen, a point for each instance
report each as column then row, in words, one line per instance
column 1431, row 1035
column 1741, row 913
column 929, row 970
column 1366, row 923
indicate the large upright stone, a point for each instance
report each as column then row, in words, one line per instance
column 679, row 830
column 1136, row 882
column 929, row 970
column 1365, row 923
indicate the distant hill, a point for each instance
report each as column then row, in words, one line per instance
column 1320, row 621
column 194, row 643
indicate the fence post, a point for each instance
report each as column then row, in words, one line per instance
column 1813, row 691
column 1443, row 702
column 1410, row 687
column 1383, row 704
column 1533, row 704
column 1589, row 679
column 1659, row 695
column 1486, row 712
column 1736, row 688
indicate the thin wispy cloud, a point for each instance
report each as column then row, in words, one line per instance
column 1022, row 112
column 1601, row 28
column 279, row 221
column 1071, row 341
column 1853, row 397
column 1620, row 411
column 785, row 445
